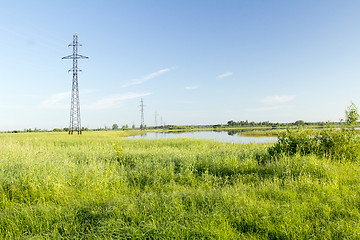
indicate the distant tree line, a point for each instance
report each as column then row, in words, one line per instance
column 230, row 124
column 246, row 123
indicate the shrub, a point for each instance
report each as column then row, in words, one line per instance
column 338, row 144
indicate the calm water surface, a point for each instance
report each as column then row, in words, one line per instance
column 217, row 136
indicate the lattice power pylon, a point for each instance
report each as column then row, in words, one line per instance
column 156, row 119
column 75, row 121
column 142, row 125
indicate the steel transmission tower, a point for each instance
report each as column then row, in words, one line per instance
column 155, row 119
column 142, row 125
column 75, row 121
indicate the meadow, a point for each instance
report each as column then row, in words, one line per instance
column 102, row 186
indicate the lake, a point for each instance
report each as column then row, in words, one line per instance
column 221, row 136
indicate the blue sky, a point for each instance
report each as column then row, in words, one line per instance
column 193, row 62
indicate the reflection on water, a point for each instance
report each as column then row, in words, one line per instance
column 223, row 136
column 239, row 131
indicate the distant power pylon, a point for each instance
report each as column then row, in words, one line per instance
column 155, row 119
column 142, row 125
column 75, row 121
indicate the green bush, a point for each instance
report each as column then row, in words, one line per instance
column 340, row 144
column 290, row 142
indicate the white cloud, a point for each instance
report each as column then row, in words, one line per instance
column 61, row 100
column 273, row 103
column 55, row 100
column 4, row 106
column 271, row 100
column 191, row 87
column 227, row 74
column 146, row 78
column 264, row 109
column 114, row 101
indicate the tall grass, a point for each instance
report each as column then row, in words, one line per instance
column 101, row 186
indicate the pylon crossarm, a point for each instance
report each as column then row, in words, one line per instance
column 81, row 57
column 76, row 44
column 68, row 57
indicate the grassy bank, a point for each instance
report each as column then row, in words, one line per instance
column 101, row 186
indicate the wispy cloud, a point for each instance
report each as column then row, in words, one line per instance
column 138, row 81
column 4, row 106
column 271, row 100
column 56, row 100
column 224, row 75
column 264, row 109
column 115, row 100
column 61, row 100
column 273, row 103
column 192, row 87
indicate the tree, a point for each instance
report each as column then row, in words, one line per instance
column 352, row 115
column 115, row 126
column 57, row 130
column 231, row 123
column 299, row 123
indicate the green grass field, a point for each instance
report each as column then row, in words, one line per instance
column 101, row 186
